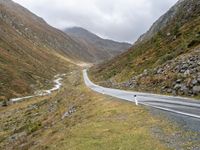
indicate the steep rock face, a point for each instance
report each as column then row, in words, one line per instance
column 181, row 12
column 103, row 49
column 174, row 35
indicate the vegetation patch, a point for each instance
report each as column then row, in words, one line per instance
column 32, row 127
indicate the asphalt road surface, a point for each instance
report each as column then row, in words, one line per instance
column 179, row 106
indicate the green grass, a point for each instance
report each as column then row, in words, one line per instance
column 114, row 125
column 32, row 127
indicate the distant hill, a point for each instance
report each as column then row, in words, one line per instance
column 101, row 49
column 166, row 59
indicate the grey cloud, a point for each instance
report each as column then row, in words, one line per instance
column 122, row 20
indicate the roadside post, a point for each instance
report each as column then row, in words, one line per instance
column 136, row 101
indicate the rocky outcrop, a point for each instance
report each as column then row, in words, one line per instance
column 180, row 12
column 187, row 71
column 70, row 111
column 180, row 76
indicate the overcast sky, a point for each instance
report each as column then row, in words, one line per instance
column 121, row 20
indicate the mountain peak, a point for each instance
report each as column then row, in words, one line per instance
column 107, row 47
column 76, row 28
column 179, row 13
column 81, row 33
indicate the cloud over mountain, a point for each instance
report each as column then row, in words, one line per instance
column 123, row 20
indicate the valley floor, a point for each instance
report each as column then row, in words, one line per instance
column 76, row 118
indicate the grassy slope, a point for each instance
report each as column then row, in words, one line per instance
column 25, row 68
column 99, row 122
column 30, row 51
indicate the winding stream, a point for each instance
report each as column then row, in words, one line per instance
column 56, row 87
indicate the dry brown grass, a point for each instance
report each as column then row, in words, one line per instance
column 100, row 122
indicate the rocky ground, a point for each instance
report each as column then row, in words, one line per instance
column 23, row 123
column 180, row 76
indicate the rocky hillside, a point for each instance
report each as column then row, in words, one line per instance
column 165, row 20
column 163, row 60
column 101, row 49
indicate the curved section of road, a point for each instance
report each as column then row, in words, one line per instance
column 183, row 106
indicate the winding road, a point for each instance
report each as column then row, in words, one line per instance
column 177, row 105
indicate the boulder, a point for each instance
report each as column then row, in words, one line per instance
column 189, row 82
column 168, row 34
column 182, row 70
column 185, row 66
column 145, row 72
column 194, row 81
column 184, row 89
column 196, row 89
column 174, row 93
column 187, row 72
column 177, row 86
column 169, row 90
column 178, row 81
column 198, row 79
column 159, row 71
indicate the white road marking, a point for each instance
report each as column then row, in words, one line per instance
column 128, row 95
column 174, row 111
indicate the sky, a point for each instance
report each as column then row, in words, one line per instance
column 120, row 20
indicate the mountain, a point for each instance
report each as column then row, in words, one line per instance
column 179, row 12
column 166, row 59
column 37, row 30
column 30, row 51
column 102, row 49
